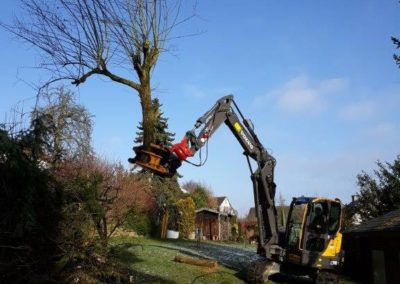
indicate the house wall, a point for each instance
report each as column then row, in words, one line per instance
column 225, row 206
column 214, row 227
column 225, row 228
column 372, row 257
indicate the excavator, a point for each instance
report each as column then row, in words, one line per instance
column 309, row 245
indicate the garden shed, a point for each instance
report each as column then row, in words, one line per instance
column 372, row 250
column 214, row 225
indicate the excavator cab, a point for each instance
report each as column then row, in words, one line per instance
column 313, row 238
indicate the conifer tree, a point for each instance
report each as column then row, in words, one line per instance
column 379, row 194
column 161, row 134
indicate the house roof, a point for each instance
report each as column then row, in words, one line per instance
column 252, row 214
column 219, row 199
column 389, row 222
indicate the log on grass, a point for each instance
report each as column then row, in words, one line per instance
column 196, row 261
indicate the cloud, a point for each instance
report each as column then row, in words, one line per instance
column 382, row 131
column 198, row 92
column 357, row 111
column 194, row 91
column 332, row 174
column 299, row 95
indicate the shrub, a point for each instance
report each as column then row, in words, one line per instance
column 140, row 223
column 29, row 209
column 187, row 216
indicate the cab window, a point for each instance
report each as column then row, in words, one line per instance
column 296, row 224
column 334, row 218
column 318, row 217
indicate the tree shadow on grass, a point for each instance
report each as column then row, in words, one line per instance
column 122, row 254
column 140, row 277
column 283, row 278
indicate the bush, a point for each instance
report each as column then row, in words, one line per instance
column 29, row 210
column 140, row 223
column 187, row 216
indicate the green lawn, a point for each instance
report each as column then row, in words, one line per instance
column 151, row 261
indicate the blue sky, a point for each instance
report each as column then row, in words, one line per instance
column 317, row 79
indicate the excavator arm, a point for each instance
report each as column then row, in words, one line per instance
column 166, row 161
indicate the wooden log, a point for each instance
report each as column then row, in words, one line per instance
column 196, row 261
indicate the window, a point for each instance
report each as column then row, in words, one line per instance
column 296, row 224
column 334, row 218
column 318, row 217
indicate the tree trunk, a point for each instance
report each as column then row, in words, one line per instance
column 148, row 114
column 104, row 238
column 102, row 231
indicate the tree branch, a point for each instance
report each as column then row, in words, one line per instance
column 121, row 80
column 83, row 78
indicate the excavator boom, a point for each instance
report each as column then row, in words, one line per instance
column 308, row 246
column 165, row 161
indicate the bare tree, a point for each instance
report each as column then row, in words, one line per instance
column 81, row 38
column 69, row 124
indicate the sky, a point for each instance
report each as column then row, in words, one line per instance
column 317, row 78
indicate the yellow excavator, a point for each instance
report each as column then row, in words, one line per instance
column 311, row 242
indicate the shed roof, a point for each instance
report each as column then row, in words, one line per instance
column 389, row 222
column 210, row 210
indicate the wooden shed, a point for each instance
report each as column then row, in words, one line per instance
column 372, row 250
column 214, row 225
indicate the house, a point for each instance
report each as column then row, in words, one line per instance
column 249, row 225
column 372, row 249
column 351, row 212
column 224, row 206
column 215, row 223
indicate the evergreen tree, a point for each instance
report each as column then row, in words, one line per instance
column 379, row 195
column 29, row 208
column 161, row 134
column 396, row 57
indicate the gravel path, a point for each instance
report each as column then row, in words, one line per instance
column 232, row 256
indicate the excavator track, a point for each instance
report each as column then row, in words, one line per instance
column 260, row 269
column 326, row 277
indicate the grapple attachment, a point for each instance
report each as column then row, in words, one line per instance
column 158, row 159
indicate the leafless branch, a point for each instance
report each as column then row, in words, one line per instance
column 81, row 38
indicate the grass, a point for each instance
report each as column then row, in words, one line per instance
column 151, row 261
